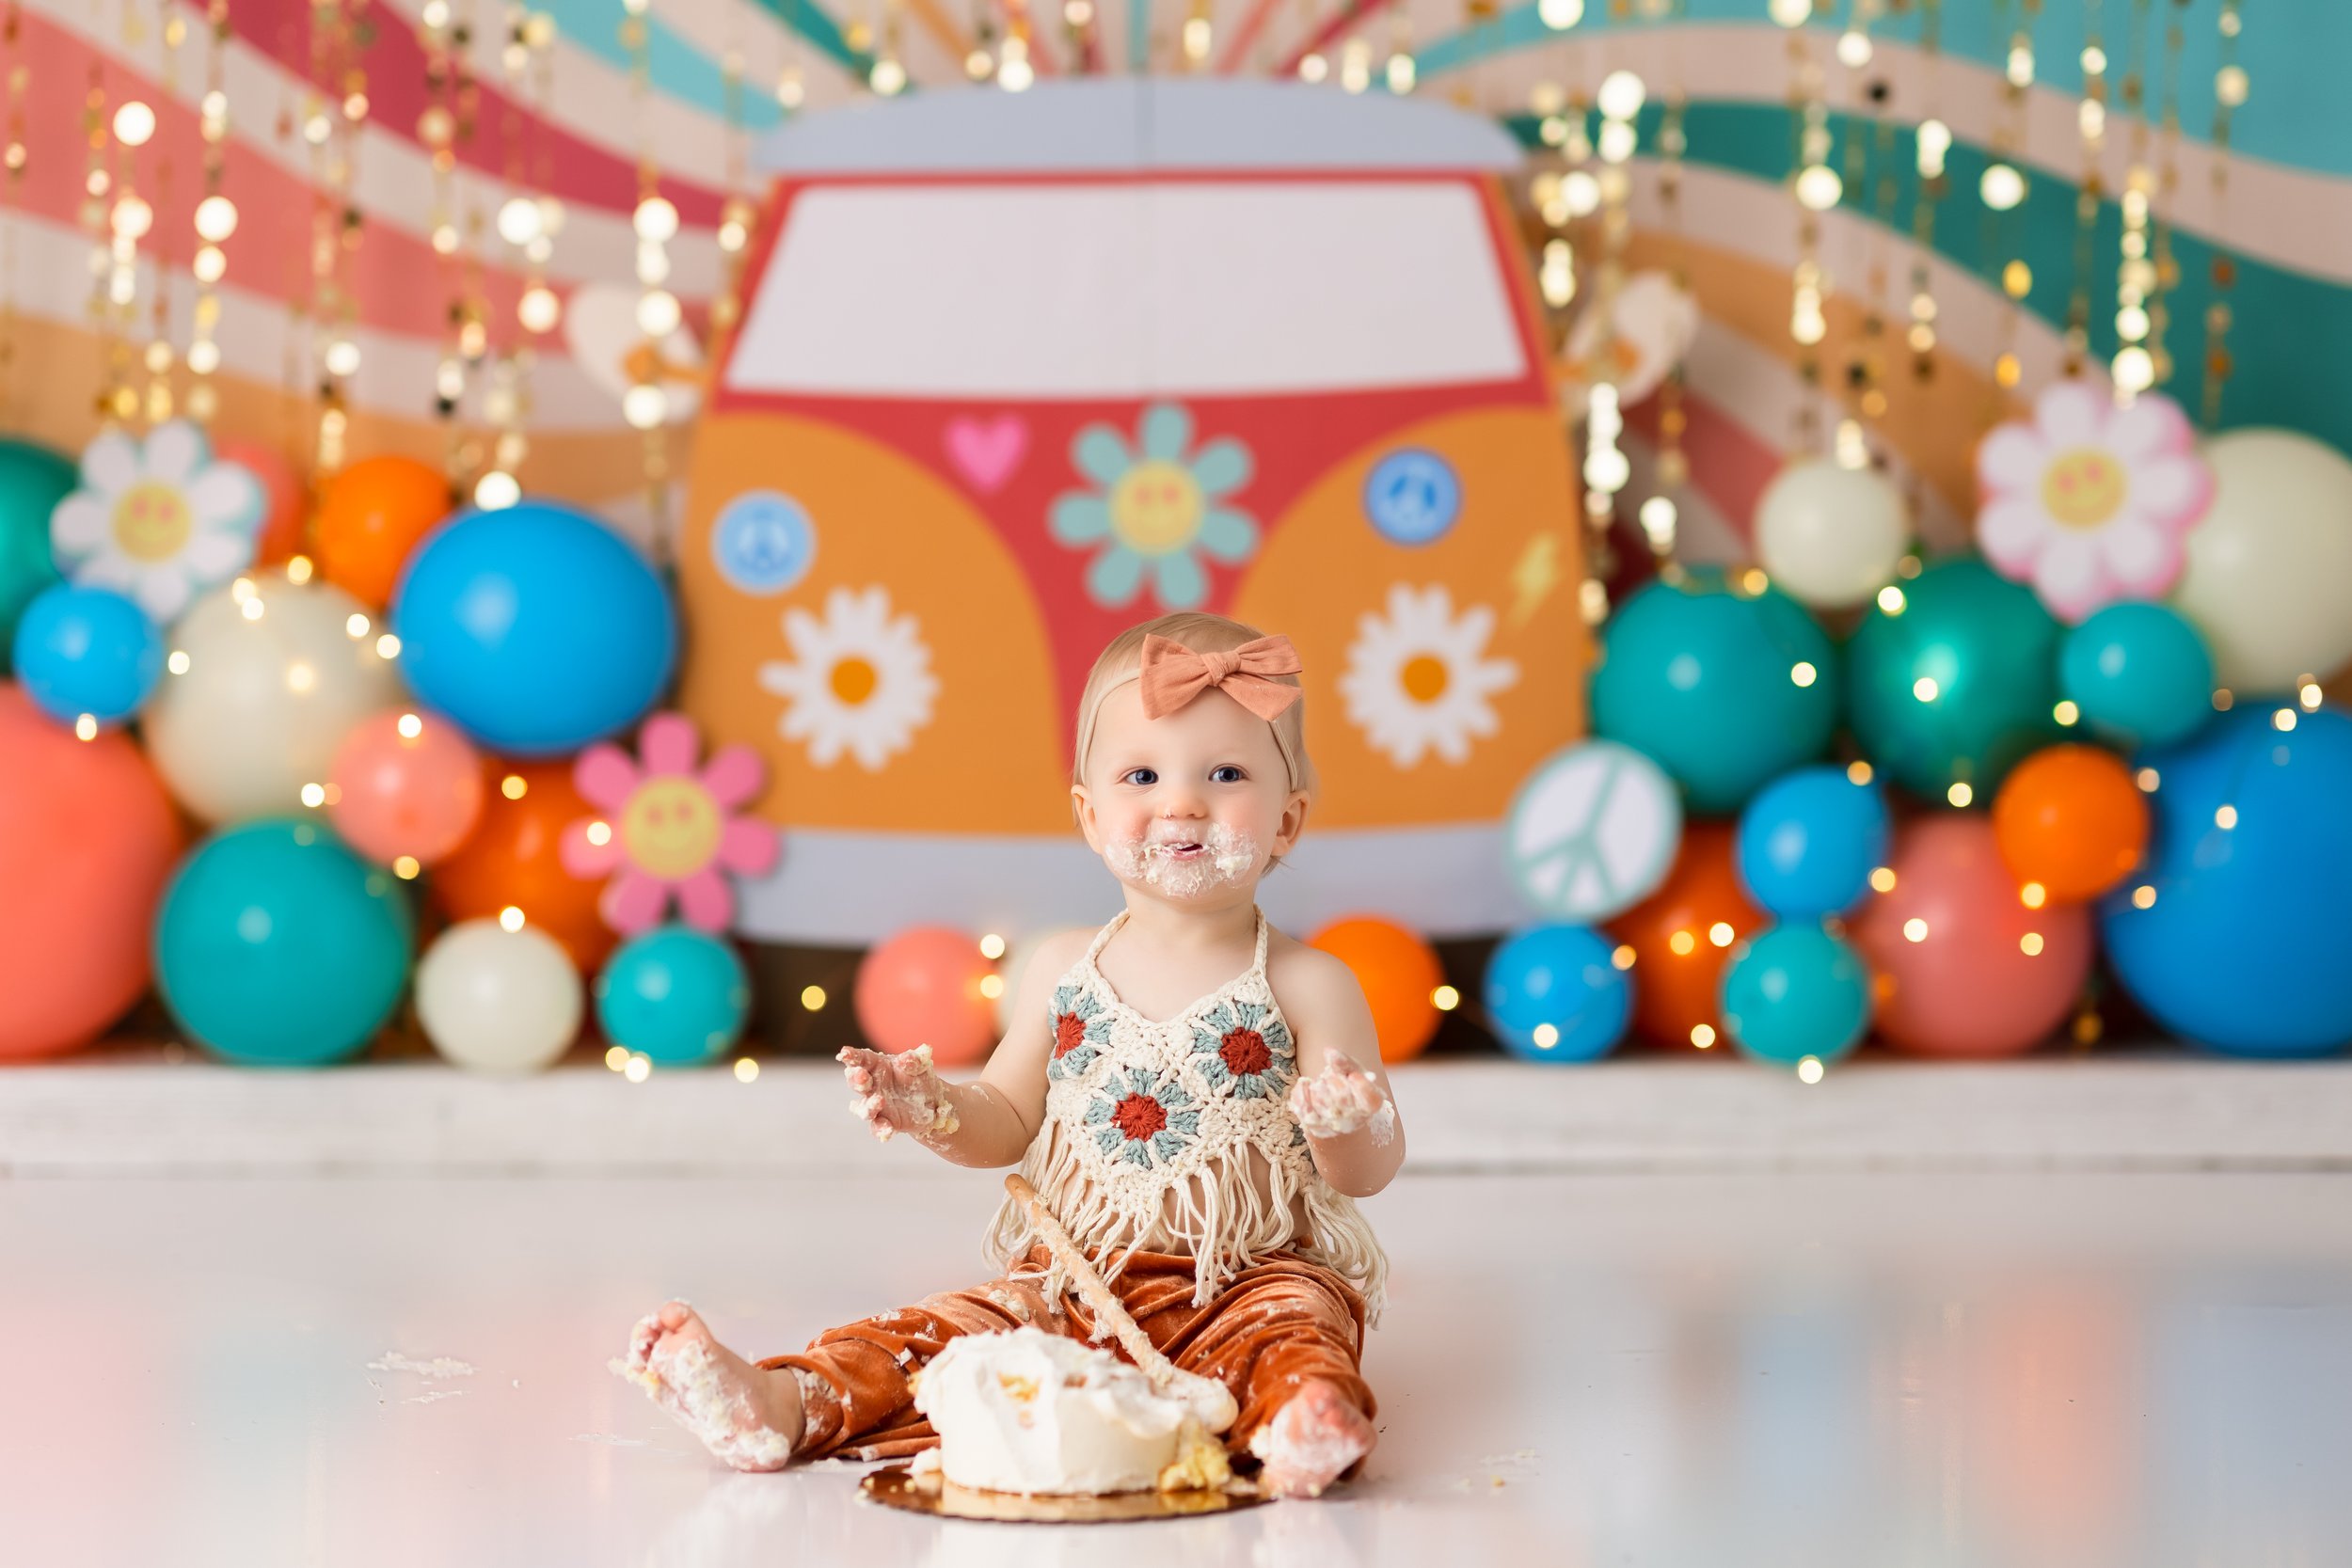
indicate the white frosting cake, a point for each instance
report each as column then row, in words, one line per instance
column 1030, row 1412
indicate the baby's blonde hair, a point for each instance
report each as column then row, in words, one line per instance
column 1122, row 661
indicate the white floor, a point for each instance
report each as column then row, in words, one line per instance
column 1851, row 1367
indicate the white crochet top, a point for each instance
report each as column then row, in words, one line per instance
column 1136, row 1110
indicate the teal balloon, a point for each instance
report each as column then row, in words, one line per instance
column 2140, row 674
column 278, row 946
column 1958, row 684
column 1725, row 689
column 33, row 480
column 1795, row 991
column 676, row 994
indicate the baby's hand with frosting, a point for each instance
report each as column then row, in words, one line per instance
column 898, row 1094
column 1341, row 1100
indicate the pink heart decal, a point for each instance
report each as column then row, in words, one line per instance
column 986, row 451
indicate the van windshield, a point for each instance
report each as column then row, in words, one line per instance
column 1032, row 291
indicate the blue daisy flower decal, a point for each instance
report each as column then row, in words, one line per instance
column 1160, row 504
column 1082, row 1028
column 1141, row 1121
column 1243, row 1048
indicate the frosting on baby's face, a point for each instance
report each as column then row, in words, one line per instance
column 1192, row 806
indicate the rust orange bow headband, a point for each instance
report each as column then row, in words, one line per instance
column 1173, row 675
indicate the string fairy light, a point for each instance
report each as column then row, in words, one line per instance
column 2167, row 271
column 2230, row 89
column 1399, row 71
column 646, row 404
column 1659, row 513
column 97, row 182
column 216, row 220
column 736, row 214
column 159, row 358
column 2134, row 367
column 2090, row 121
column 1866, row 361
column 2003, row 188
column 1816, row 187
column 1931, row 141
column 528, row 223
column 334, row 108
column 1606, row 469
column 14, row 79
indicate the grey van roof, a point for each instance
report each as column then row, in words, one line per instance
column 1127, row 124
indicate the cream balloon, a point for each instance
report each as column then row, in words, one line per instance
column 1015, row 964
column 2269, row 574
column 1830, row 535
column 498, row 1001
column 265, row 678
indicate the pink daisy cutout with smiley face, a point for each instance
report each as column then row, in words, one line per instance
column 2090, row 502
column 666, row 830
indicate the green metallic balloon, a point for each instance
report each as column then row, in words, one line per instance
column 1958, row 683
column 33, row 480
column 1725, row 689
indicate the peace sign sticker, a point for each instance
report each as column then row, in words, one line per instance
column 1593, row 831
column 763, row 542
column 1413, row 497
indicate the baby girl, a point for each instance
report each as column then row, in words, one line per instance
column 1197, row 1098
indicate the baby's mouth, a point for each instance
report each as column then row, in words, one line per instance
column 1178, row 849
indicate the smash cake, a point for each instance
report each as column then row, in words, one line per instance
column 1037, row 1414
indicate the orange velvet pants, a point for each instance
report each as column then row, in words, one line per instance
column 1273, row 1327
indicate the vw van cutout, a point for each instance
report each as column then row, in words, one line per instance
column 1017, row 371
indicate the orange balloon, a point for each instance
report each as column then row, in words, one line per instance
column 88, row 839
column 281, row 523
column 1400, row 974
column 370, row 517
column 510, row 859
column 1682, row 936
column 2071, row 818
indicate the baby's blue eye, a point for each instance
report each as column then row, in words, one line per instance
column 1225, row 774
column 1140, row 775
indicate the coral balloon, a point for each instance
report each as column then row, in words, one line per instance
column 269, row 687
column 88, row 839
column 404, row 785
column 1964, row 967
column 922, row 987
column 282, row 498
column 1399, row 974
column 513, row 859
column 2071, row 818
column 371, row 516
column 1681, row 935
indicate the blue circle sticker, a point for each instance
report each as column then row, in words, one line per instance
column 763, row 542
column 1413, row 497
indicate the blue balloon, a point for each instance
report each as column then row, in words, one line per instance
column 2242, row 947
column 2140, row 672
column 1808, row 843
column 1795, row 991
column 534, row 629
column 277, row 947
column 1725, row 690
column 675, row 993
column 1563, row 978
column 87, row 650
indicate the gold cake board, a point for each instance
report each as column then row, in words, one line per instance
column 898, row 1486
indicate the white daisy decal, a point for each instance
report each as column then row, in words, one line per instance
column 1418, row 677
column 158, row 521
column 860, row 679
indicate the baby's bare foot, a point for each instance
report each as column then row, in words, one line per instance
column 750, row 1419
column 1309, row 1441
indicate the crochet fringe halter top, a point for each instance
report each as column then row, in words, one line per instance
column 1152, row 1129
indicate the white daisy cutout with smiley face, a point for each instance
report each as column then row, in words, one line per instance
column 157, row 521
column 1419, row 680
column 859, row 682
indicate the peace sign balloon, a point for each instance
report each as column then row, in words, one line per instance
column 1592, row 831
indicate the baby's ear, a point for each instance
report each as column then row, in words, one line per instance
column 1082, row 812
column 1293, row 822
